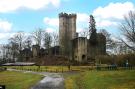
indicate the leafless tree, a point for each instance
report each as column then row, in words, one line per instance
column 47, row 39
column 6, row 51
column 16, row 43
column 55, row 38
column 109, row 40
column 14, row 48
column 127, row 27
column 84, row 33
column 28, row 42
column 18, row 38
column 111, row 44
column 37, row 35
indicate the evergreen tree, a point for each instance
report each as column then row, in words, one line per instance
column 92, row 29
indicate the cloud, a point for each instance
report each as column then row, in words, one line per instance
column 50, row 30
column 114, row 10
column 82, row 17
column 106, row 23
column 79, row 29
column 13, row 5
column 52, row 24
column 5, row 36
column 111, row 14
column 82, row 21
column 5, row 25
column 51, row 21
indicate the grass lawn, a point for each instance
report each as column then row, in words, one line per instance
column 102, row 80
column 70, row 81
column 18, row 80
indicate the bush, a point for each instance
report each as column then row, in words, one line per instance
column 121, row 59
column 105, row 59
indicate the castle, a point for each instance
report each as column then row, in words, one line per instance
column 78, row 48
column 72, row 46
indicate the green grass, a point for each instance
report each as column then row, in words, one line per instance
column 70, row 82
column 102, row 80
column 18, row 80
column 121, row 79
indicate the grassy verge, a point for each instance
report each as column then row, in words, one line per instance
column 70, row 81
column 102, row 80
column 18, row 80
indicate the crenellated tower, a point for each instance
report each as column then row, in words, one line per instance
column 67, row 30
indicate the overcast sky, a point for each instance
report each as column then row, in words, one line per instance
column 27, row 15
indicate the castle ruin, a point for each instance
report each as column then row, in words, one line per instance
column 71, row 46
column 77, row 48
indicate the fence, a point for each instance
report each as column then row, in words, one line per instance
column 114, row 67
column 59, row 69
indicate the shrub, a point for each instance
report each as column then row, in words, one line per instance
column 122, row 58
column 105, row 59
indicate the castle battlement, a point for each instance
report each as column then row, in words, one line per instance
column 72, row 15
column 62, row 14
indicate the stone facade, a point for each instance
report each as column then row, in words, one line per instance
column 35, row 51
column 80, row 49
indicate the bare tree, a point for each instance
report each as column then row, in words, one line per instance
column 111, row 44
column 55, row 38
column 16, row 43
column 6, row 51
column 47, row 39
column 109, row 40
column 106, row 34
column 3, row 51
column 37, row 35
column 18, row 38
column 127, row 27
column 85, row 33
column 14, row 47
column 28, row 42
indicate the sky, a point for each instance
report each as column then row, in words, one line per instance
column 28, row 15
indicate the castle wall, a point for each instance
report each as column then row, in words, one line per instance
column 101, row 44
column 35, row 50
column 80, row 49
column 98, row 49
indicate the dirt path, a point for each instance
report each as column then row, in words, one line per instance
column 50, row 81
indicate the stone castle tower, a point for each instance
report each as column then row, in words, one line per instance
column 67, row 31
column 77, row 48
